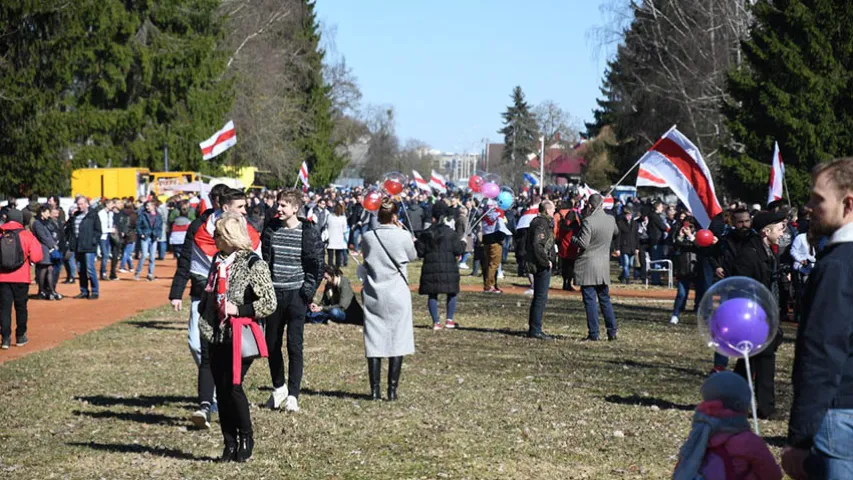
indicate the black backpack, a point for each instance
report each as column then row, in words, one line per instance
column 11, row 251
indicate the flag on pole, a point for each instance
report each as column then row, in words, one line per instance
column 420, row 182
column 645, row 178
column 531, row 178
column 527, row 217
column 204, row 198
column 219, row 142
column 675, row 160
column 777, row 175
column 303, row 175
column 586, row 191
column 436, row 181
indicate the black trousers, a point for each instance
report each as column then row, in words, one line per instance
column 541, row 282
column 763, row 368
column 335, row 257
column 13, row 294
column 289, row 316
column 234, row 416
column 567, row 267
column 44, row 278
column 206, row 383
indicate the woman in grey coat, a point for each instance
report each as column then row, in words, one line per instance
column 388, row 329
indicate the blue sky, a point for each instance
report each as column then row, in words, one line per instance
column 448, row 66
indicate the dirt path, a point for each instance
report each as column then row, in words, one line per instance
column 51, row 323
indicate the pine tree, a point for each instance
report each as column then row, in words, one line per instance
column 520, row 137
column 316, row 143
column 794, row 88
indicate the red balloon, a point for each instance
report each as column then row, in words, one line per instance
column 704, row 238
column 475, row 183
column 372, row 201
column 393, row 187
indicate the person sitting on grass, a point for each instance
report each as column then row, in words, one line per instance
column 339, row 303
column 720, row 444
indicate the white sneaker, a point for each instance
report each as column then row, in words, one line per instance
column 121, row 270
column 277, row 397
column 464, row 266
column 674, row 320
column 291, row 404
column 528, row 292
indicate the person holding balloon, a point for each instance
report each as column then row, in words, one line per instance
column 684, row 264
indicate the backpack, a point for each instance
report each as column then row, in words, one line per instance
column 718, row 465
column 11, row 251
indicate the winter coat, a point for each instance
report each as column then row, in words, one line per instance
column 32, row 254
column 336, row 225
column 593, row 263
column 126, row 224
column 684, row 261
column 564, row 241
column 41, row 231
column 439, row 246
column 540, row 244
column 416, row 217
column 89, row 236
column 629, row 237
column 388, row 327
column 657, row 229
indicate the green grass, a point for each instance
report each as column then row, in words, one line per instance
column 482, row 402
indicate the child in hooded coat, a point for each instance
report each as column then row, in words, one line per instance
column 721, row 445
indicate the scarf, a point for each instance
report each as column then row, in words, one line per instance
column 710, row 418
column 218, row 282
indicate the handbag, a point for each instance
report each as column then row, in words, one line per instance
column 399, row 270
column 248, row 344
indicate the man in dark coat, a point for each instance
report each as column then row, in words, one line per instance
column 440, row 247
column 416, row 217
column 820, row 428
column 540, row 252
column 757, row 261
column 628, row 242
column 657, row 233
column 83, row 231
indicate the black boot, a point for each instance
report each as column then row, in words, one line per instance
column 229, row 454
column 374, row 371
column 247, row 444
column 394, row 366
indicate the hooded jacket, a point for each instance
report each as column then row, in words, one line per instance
column 32, row 254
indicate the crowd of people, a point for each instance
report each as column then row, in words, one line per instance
column 260, row 257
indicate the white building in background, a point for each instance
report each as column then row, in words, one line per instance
column 457, row 166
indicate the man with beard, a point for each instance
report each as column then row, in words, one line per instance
column 820, row 428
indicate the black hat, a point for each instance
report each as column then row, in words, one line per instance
column 764, row 218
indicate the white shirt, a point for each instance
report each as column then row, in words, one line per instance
column 801, row 250
column 106, row 218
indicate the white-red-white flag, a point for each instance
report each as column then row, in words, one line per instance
column 420, row 182
column 436, row 181
column 219, row 142
column 675, row 160
column 586, row 191
column 303, row 175
column 527, row 217
column 777, row 176
column 645, row 178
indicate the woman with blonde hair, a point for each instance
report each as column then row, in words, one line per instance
column 388, row 328
column 239, row 291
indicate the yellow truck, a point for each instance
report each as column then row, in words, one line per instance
column 110, row 182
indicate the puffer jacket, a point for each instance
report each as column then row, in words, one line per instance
column 540, row 244
column 439, row 246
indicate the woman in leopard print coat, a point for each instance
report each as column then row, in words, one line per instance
column 239, row 285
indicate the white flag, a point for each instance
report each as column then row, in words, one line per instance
column 303, row 175
column 777, row 176
column 436, row 181
column 219, row 142
column 420, row 182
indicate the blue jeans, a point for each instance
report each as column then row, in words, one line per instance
column 603, row 293
column 683, row 286
column 106, row 247
column 356, row 237
column 161, row 252
column 464, row 258
column 432, row 306
column 831, row 456
column 149, row 250
column 655, row 253
column 55, row 270
column 127, row 256
column 88, row 273
column 541, row 282
column 505, row 254
column 627, row 265
column 334, row 314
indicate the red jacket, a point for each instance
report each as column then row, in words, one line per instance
column 32, row 254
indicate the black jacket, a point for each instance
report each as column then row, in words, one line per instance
column 684, row 259
column 416, row 217
column 312, row 254
column 86, row 241
column 725, row 252
column 439, row 246
column 182, row 273
column 629, row 235
column 823, row 357
column 539, row 250
column 657, row 229
column 753, row 261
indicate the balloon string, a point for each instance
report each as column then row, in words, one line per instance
column 751, row 390
column 471, row 227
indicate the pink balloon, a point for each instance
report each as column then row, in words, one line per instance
column 490, row 190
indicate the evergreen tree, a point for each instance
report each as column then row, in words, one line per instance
column 520, row 137
column 794, row 88
column 107, row 83
column 316, row 142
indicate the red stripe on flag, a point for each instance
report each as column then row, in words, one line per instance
column 223, row 137
column 180, row 228
column 643, row 173
column 691, row 171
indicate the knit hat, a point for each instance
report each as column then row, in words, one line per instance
column 14, row 215
column 730, row 389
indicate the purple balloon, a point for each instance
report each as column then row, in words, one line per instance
column 739, row 323
column 490, row 190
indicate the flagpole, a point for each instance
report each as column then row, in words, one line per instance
column 637, row 163
column 787, row 192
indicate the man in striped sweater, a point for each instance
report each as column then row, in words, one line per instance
column 294, row 250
